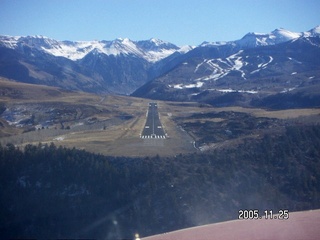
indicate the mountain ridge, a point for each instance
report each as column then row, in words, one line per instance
column 224, row 75
column 151, row 50
column 109, row 47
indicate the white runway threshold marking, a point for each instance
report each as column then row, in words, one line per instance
column 153, row 137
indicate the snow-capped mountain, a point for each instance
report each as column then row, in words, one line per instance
column 250, row 68
column 151, row 50
column 260, row 39
column 118, row 66
column 277, row 36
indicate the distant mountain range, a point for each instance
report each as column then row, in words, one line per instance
column 258, row 64
column 118, row 66
column 151, row 50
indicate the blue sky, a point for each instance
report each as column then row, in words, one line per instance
column 178, row 21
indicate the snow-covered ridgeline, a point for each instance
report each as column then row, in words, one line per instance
column 254, row 39
column 151, row 50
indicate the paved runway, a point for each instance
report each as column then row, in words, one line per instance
column 153, row 127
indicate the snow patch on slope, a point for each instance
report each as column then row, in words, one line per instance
column 262, row 65
column 183, row 86
column 229, row 90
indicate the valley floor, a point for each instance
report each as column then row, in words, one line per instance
column 112, row 125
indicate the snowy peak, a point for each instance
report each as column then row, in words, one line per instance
column 210, row 44
column 282, row 35
column 9, row 41
column 73, row 50
column 252, row 40
column 66, row 49
column 154, row 44
column 277, row 36
column 151, row 50
column 264, row 39
column 315, row 32
column 121, row 46
column 15, row 41
column 156, row 49
column 38, row 40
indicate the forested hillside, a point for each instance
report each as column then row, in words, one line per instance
column 55, row 192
